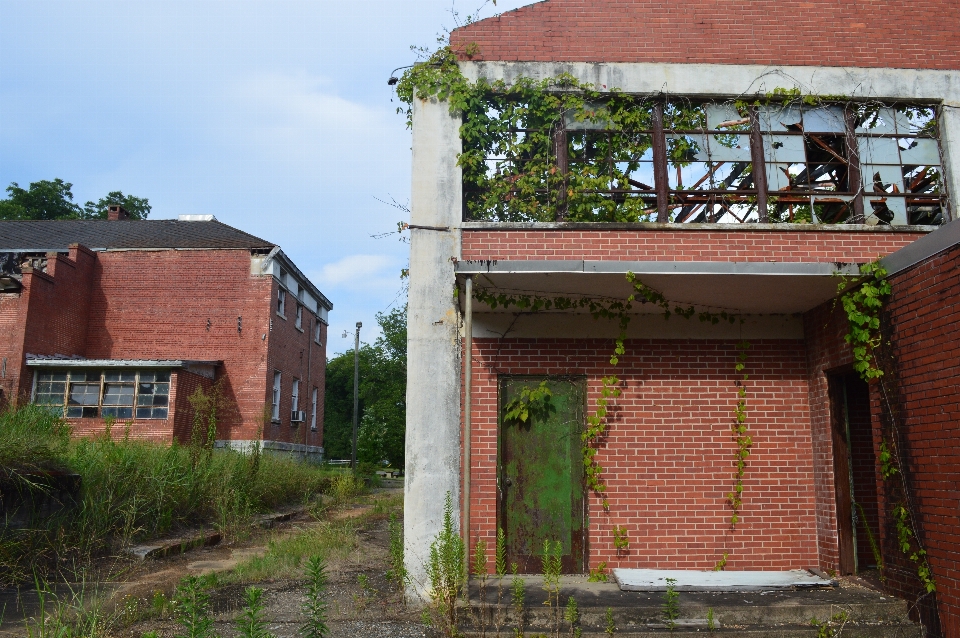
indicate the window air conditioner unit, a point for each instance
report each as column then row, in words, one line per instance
column 298, row 416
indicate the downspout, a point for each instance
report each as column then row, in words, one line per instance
column 309, row 332
column 467, row 392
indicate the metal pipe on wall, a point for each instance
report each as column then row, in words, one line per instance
column 467, row 392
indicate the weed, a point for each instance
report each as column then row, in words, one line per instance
column 251, row 623
column 500, row 565
column 711, row 623
column 671, row 604
column 572, row 615
column 315, row 607
column 161, row 605
column 150, row 634
column 552, row 563
column 598, row 574
column 831, row 627
column 620, row 539
column 192, row 609
column 611, row 627
column 721, row 564
column 445, row 571
column 398, row 571
column 69, row 616
column 519, row 596
column 479, row 569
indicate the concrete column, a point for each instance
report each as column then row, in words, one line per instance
column 433, row 362
column 950, row 143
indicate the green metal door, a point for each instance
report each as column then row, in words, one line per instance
column 541, row 475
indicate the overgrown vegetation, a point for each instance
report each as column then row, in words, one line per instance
column 382, row 401
column 445, row 573
column 131, row 490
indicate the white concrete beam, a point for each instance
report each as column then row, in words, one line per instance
column 433, row 332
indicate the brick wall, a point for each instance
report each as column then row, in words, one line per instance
column 869, row 33
column 923, row 313
column 669, row 455
column 48, row 316
column 683, row 245
column 295, row 353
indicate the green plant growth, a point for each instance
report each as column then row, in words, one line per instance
column 500, row 566
column 572, row 615
column 445, row 572
column 479, row 570
column 620, row 539
column 518, row 600
column 610, row 628
column 670, row 609
column 874, row 546
column 831, row 627
column 251, row 622
column 192, row 609
column 552, row 564
column 721, row 564
column 529, row 403
column 314, row 608
column 863, row 304
column 711, row 621
column 398, row 571
column 598, row 574
column 744, row 441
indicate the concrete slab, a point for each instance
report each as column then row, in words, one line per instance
column 656, row 580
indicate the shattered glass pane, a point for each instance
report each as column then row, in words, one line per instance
column 922, row 179
column 878, row 150
column 919, row 151
column 784, row 149
column 882, row 178
column 781, row 177
column 779, row 117
column 726, row 117
column 916, row 120
column 729, row 148
column 824, row 119
column 691, row 176
column 878, row 121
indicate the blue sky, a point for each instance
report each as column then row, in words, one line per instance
column 273, row 115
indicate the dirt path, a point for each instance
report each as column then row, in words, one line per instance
column 362, row 603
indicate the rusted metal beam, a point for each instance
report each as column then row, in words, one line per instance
column 759, row 165
column 660, row 179
column 854, row 179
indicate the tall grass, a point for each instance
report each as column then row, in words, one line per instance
column 134, row 490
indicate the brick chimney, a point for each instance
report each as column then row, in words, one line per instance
column 117, row 213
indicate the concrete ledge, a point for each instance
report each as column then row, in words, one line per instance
column 944, row 237
column 819, row 269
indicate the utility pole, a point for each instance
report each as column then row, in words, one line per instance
column 356, row 395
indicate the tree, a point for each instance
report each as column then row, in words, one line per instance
column 383, row 392
column 48, row 199
column 136, row 207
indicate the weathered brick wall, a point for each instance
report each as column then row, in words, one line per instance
column 683, row 245
column 295, row 354
column 669, row 454
column 49, row 316
column 823, row 329
column 923, row 313
column 870, row 33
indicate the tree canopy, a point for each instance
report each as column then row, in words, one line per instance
column 53, row 199
column 383, row 393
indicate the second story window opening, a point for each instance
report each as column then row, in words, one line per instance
column 282, row 302
column 299, row 321
column 636, row 159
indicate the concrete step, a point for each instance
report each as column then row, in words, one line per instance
column 867, row 610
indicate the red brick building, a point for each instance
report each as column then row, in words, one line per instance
column 124, row 320
column 760, row 233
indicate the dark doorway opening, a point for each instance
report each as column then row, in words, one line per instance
column 855, row 471
column 541, row 479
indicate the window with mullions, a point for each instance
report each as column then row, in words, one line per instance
column 621, row 158
column 121, row 394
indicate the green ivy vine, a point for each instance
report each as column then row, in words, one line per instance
column 604, row 308
column 863, row 304
column 744, row 441
column 529, row 402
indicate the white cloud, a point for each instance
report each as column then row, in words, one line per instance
column 359, row 271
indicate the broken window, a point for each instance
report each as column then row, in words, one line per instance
column 629, row 159
column 107, row 393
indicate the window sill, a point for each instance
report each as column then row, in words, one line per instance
column 275, row 421
column 299, row 329
column 284, row 317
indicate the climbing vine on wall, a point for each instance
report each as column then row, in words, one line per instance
column 744, row 441
column 604, row 308
column 863, row 305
